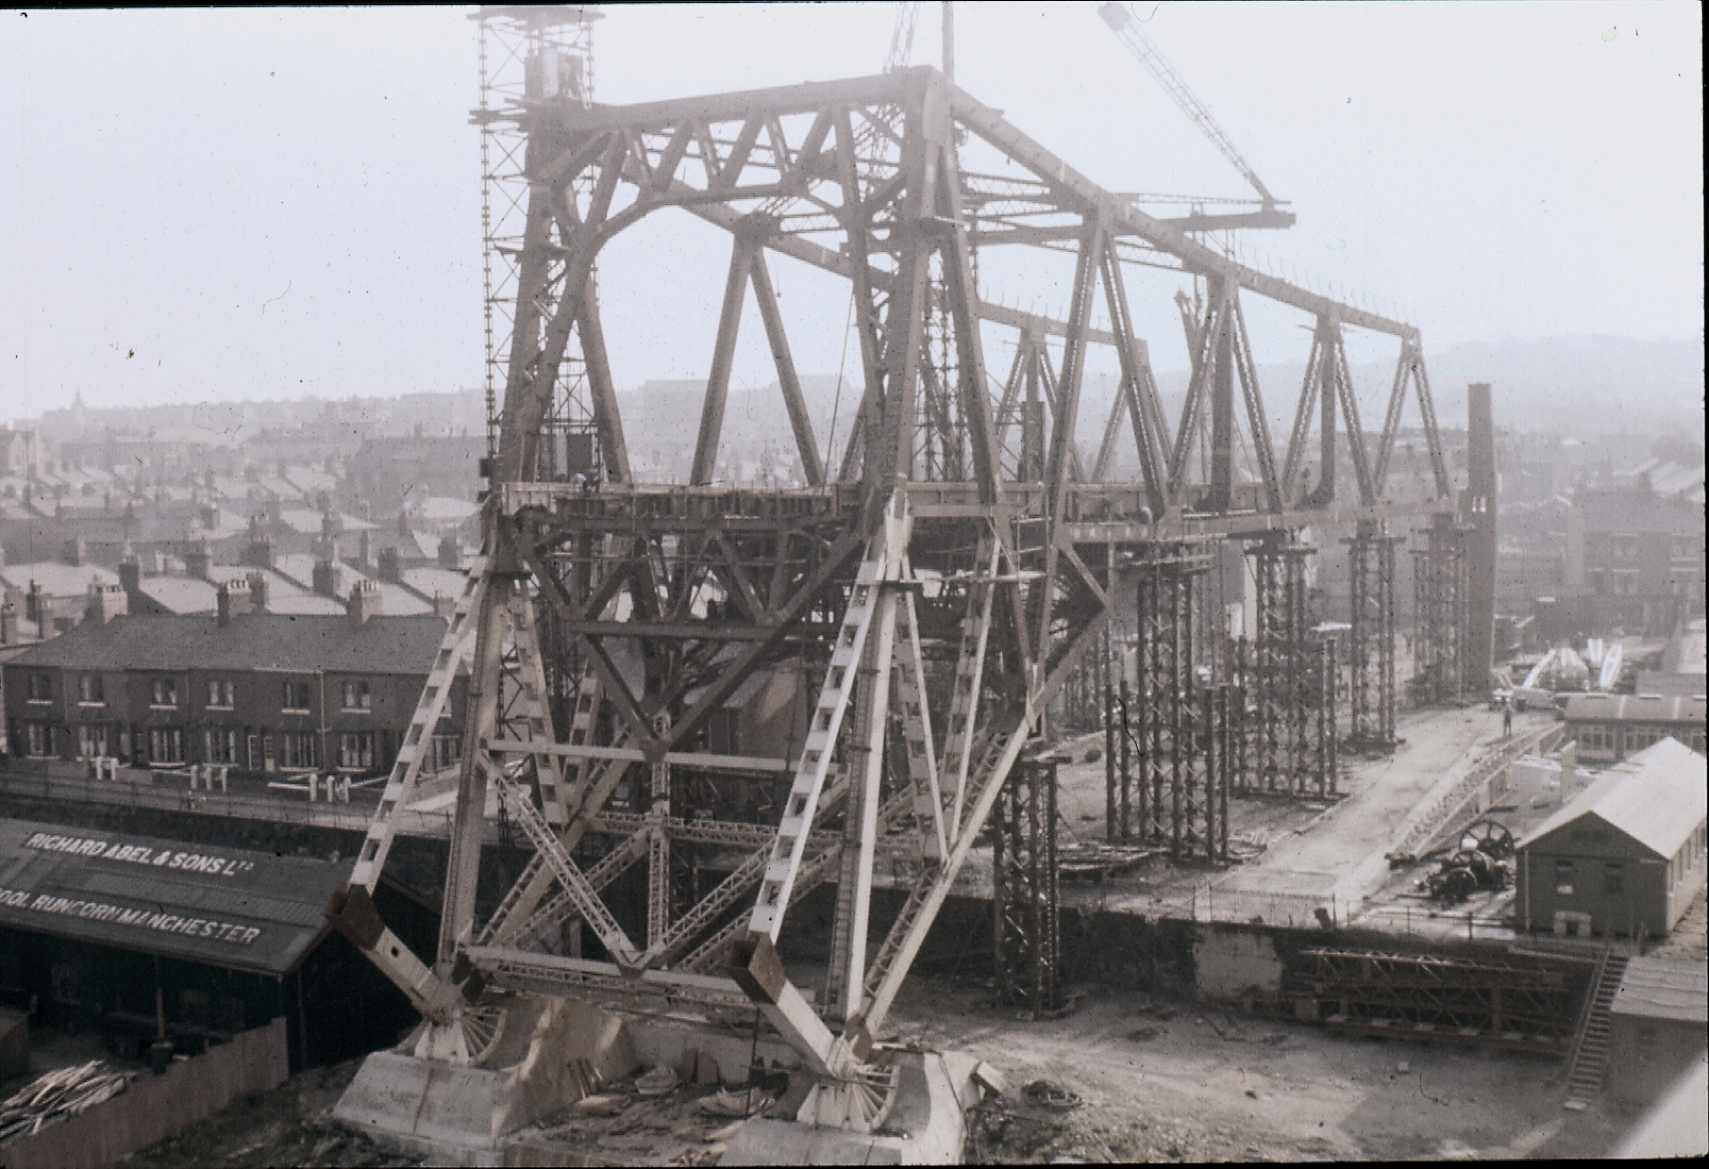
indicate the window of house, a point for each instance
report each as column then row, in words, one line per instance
column 297, row 749
column 356, row 696
column 1613, row 878
column 91, row 741
column 90, row 690
column 356, row 751
column 40, row 688
column 219, row 693
column 38, row 739
column 443, row 752
column 164, row 692
column 1684, row 548
column 221, row 746
column 166, row 745
column 296, row 696
column 1564, row 878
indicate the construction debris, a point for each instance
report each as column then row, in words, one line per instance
column 59, row 1095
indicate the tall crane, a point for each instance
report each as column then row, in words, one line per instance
column 1122, row 21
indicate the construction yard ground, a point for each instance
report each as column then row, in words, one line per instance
column 1156, row 1081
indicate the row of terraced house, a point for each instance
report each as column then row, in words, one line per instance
column 256, row 691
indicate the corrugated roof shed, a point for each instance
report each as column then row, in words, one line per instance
column 1657, row 797
column 255, row 641
column 1664, row 988
column 222, row 906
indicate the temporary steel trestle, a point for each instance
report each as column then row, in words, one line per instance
column 935, row 581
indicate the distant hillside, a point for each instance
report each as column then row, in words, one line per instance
column 1564, row 386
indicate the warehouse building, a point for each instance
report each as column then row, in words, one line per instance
column 1626, row 854
column 1609, row 727
column 141, row 937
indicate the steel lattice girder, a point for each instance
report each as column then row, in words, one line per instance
column 1005, row 583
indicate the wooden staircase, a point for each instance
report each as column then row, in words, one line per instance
column 1590, row 1050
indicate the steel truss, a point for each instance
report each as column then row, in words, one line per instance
column 1492, row 999
column 1439, row 575
column 1027, row 934
column 1371, row 644
column 934, row 586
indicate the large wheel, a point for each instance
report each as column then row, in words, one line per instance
column 1488, row 837
column 481, row 1026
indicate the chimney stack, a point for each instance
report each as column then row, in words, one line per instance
column 261, row 551
column 130, row 574
column 210, row 516
column 8, row 623
column 197, row 560
column 450, row 556
column 235, row 600
column 74, row 552
column 106, row 601
column 365, row 553
column 391, row 567
column 328, row 578
column 365, row 602
column 443, row 606
column 257, row 592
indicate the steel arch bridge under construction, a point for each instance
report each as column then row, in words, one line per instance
column 937, row 585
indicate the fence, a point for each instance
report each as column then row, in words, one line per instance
column 352, row 817
column 152, row 1109
column 1213, row 903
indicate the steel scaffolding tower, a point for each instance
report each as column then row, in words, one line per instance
column 1027, row 935
column 1371, row 643
column 1439, row 581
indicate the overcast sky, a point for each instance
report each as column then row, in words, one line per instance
column 215, row 205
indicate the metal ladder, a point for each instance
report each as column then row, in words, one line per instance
column 371, row 858
column 1590, row 1052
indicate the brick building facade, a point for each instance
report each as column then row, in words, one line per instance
column 261, row 692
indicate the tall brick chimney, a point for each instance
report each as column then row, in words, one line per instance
column 261, row 551
column 74, row 552
column 106, row 601
column 8, row 623
column 365, row 552
column 365, row 602
column 450, row 556
column 197, row 560
column 391, row 567
column 130, row 574
column 257, row 592
column 234, row 600
column 328, row 578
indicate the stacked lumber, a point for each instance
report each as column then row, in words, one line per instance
column 58, row 1096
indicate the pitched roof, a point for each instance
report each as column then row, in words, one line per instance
column 1644, row 708
column 255, row 641
column 56, row 579
column 204, row 903
column 430, row 582
column 1657, row 797
column 1662, row 988
column 180, row 594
